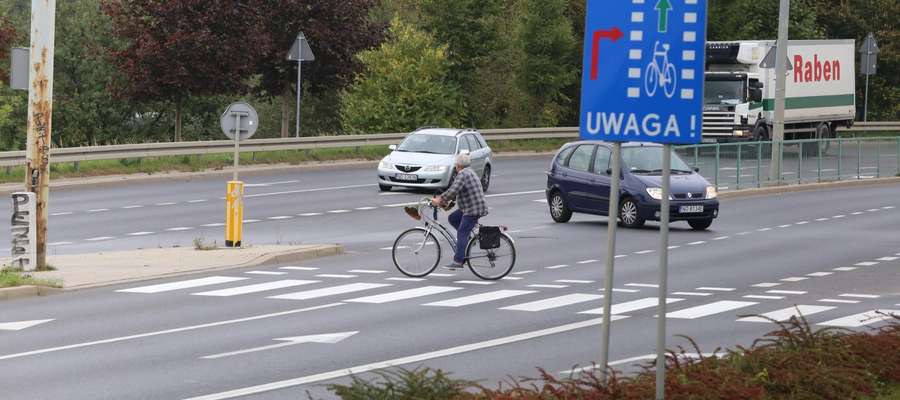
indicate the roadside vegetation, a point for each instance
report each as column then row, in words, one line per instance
column 10, row 277
column 793, row 362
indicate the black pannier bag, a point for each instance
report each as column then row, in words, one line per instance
column 489, row 237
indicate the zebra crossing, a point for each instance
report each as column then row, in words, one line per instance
column 532, row 298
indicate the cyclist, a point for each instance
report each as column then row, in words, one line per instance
column 466, row 190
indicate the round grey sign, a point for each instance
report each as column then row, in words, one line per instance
column 247, row 116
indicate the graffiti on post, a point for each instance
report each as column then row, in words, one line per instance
column 22, row 227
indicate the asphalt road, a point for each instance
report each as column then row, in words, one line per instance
column 835, row 254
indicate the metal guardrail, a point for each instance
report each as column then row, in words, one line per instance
column 112, row 152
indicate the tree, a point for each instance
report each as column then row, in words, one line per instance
column 548, row 43
column 404, row 85
column 336, row 31
column 177, row 49
column 7, row 38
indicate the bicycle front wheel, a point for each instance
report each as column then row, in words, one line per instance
column 491, row 264
column 416, row 252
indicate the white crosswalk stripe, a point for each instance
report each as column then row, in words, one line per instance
column 785, row 314
column 710, row 309
column 404, row 294
column 330, row 291
column 191, row 283
column 633, row 305
column 480, row 298
column 256, row 288
column 554, row 302
column 857, row 320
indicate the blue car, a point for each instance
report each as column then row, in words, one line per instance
column 579, row 181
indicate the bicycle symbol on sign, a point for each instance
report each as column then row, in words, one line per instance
column 660, row 75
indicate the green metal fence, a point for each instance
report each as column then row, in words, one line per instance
column 741, row 165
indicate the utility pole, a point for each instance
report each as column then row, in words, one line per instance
column 40, row 110
column 780, row 72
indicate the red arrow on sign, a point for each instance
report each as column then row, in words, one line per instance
column 613, row 34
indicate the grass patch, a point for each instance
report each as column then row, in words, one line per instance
column 193, row 163
column 10, row 278
column 200, row 243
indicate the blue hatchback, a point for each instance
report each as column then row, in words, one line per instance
column 579, row 180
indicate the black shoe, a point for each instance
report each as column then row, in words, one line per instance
column 453, row 266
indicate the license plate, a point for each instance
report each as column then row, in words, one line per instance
column 407, row 177
column 698, row 208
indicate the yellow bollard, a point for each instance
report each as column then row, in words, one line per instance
column 234, row 213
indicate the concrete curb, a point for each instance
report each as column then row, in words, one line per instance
column 807, row 187
column 19, row 292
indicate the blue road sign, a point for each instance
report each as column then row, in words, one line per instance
column 643, row 70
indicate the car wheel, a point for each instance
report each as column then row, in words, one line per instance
column 559, row 211
column 628, row 214
column 384, row 188
column 700, row 224
column 486, row 178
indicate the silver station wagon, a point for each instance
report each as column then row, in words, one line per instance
column 426, row 157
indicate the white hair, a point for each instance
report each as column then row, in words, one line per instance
column 463, row 160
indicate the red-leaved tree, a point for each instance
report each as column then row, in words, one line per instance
column 7, row 37
column 336, row 31
column 175, row 49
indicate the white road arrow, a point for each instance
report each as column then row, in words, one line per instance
column 18, row 326
column 329, row 338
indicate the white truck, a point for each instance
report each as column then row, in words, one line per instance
column 739, row 95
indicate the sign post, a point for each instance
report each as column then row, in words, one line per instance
column 300, row 52
column 238, row 122
column 869, row 59
column 24, row 239
column 643, row 82
column 781, row 45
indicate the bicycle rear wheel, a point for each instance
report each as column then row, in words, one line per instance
column 491, row 264
column 416, row 252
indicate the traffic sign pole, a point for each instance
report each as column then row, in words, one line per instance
column 610, row 256
column 237, row 144
column 238, row 122
column 663, row 273
column 780, row 72
column 299, row 68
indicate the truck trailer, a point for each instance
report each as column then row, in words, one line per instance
column 739, row 95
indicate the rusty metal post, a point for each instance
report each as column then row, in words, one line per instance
column 40, row 108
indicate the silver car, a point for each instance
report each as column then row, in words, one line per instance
column 426, row 157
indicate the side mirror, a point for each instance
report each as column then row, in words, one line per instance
column 697, row 169
column 609, row 171
column 756, row 94
column 392, row 147
column 463, row 151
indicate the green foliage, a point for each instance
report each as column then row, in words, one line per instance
column 10, row 277
column 418, row 384
column 404, row 86
column 547, row 68
column 758, row 20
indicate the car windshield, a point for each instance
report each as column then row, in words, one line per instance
column 723, row 92
column 434, row 144
column 648, row 160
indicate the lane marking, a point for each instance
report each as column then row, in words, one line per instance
column 644, row 252
column 844, row 268
column 480, row 298
column 785, row 314
column 293, row 268
column 859, row 296
column 280, row 217
column 839, row 301
column 716, row 289
column 61, row 213
column 250, row 221
column 482, row 283
column 265, row 273
column 523, row 272
column 308, row 190
column 857, row 320
column 721, row 238
column 625, row 290
column 621, row 255
column 794, row 279
column 367, row 271
column 96, row 210
column 647, row 285
column 441, row 275
column 191, row 283
column 786, row 291
column 821, row 219
column 99, row 238
column 691, row 294
column 857, row 213
column 873, row 209
column 887, row 259
column 329, row 291
column 673, row 247
column 132, row 207
column 259, row 287
column 58, row 243
column 572, row 281
column 197, row 201
column 764, row 297
column 784, row 226
column 744, row 233
column 548, row 286
column 510, row 278
column 866, row 263
column 404, row 294
column 168, row 203
column 418, row 358
column 144, row 233
column 309, row 214
column 838, row 216
column 179, row 228
column 553, row 302
column 696, row 243
column 634, row 305
column 763, row 229
column 558, row 266
column 213, row 225
column 338, row 211
column 405, row 279
column 586, row 261
column 340, row 276
column 365, row 208
column 801, row 223
column 820, row 274
column 710, row 309
column 766, row 284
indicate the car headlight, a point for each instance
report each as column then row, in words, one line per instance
column 435, row 168
column 384, row 164
column 656, row 193
column 711, row 192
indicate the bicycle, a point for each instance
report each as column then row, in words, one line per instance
column 417, row 251
column 656, row 75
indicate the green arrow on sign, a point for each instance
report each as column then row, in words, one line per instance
column 663, row 7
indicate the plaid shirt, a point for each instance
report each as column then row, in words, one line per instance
column 466, row 189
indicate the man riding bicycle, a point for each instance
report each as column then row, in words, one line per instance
column 467, row 191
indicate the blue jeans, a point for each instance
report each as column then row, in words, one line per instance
column 464, row 225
